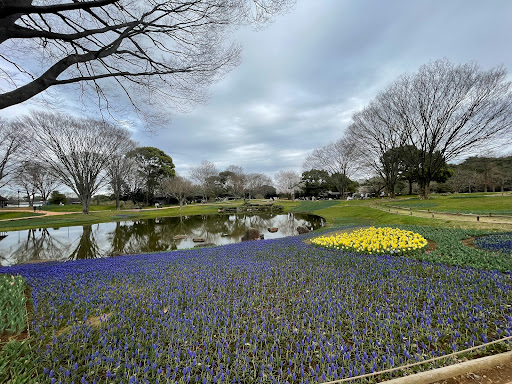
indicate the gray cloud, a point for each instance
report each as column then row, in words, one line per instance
column 303, row 76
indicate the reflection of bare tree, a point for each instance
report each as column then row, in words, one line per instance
column 143, row 236
column 87, row 247
column 39, row 245
column 140, row 236
column 119, row 239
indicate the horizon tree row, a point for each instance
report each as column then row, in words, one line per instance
column 421, row 122
column 437, row 115
column 46, row 150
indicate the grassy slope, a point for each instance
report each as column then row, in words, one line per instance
column 15, row 215
column 496, row 203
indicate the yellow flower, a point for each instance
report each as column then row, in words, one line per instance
column 371, row 239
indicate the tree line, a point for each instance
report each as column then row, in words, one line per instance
column 419, row 124
column 410, row 132
column 44, row 150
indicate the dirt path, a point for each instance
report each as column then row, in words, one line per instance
column 507, row 220
column 30, row 210
column 501, row 374
column 53, row 213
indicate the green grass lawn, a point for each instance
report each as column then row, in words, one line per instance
column 481, row 204
column 336, row 212
column 15, row 215
column 78, row 207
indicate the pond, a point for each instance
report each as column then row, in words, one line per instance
column 143, row 236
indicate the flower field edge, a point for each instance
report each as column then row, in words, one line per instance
column 269, row 311
column 450, row 249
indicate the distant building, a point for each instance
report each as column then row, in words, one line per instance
column 3, row 202
column 329, row 195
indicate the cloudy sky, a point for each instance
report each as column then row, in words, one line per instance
column 303, row 77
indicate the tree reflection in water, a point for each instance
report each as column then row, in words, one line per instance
column 35, row 245
column 142, row 236
column 87, row 247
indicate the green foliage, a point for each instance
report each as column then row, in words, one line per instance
column 15, row 215
column 414, row 165
column 450, row 249
column 316, row 182
column 17, row 363
column 153, row 165
column 13, row 317
column 343, row 183
column 56, row 198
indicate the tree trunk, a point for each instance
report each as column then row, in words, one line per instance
column 391, row 189
column 118, row 202
column 30, row 202
column 410, row 187
column 86, row 201
column 425, row 190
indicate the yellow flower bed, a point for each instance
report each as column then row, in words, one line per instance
column 374, row 240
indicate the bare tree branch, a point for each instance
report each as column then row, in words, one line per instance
column 171, row 50
column 444, row 110
column 76, row 151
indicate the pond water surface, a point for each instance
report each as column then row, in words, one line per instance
column 142, row 236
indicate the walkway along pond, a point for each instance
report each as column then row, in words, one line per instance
column 142, row 236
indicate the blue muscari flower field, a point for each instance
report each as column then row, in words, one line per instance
column 501, row 242
column 272, row 311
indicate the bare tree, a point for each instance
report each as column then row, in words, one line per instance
column 257, row 183
column 179, row 188
column 45, row 181
column 204, row 175
column 12, row 140
column 340, row 159
column 33, row 177
column 287, row 182
column 24, row 180
column 134, row 186
column 170, row 49
column 376, row 131
column 449, row 109
column 77, row 151
column 119, row 168
column 234, row 178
